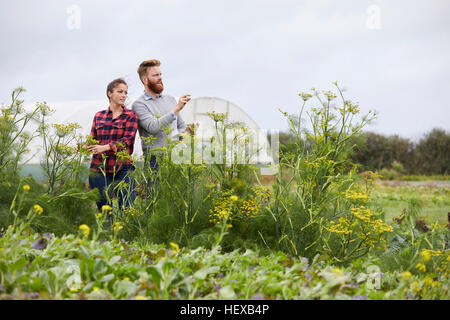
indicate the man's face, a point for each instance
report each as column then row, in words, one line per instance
column 153, row 80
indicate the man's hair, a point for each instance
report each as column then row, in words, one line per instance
column 113, row 84
column 142, row 70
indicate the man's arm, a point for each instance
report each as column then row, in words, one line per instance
column 148, row 121
column 181, row 125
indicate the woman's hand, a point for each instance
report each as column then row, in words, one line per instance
column 95, row 149
column 78, row 147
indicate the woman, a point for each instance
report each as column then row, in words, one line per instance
column 115, row 131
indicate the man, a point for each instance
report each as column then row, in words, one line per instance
column 156, row 111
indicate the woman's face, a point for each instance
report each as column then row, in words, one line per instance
column 119, row 94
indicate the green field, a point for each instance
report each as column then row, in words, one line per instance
column 434, row 196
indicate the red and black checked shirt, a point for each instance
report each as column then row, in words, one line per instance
column 119, row 133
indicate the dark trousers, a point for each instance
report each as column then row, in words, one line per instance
column 154, row 171
column 152, row 162
column 102, row 182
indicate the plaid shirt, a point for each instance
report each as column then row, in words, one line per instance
column 119, row 133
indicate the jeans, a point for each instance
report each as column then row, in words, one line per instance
column 106, row 183
column 154, row 171
column 153, row 163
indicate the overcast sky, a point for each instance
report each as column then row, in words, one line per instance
column 391, row 56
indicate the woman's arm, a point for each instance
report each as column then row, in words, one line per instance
column 97, row 148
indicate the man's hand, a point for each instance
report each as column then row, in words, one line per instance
column 98, row 148
column 181, row 103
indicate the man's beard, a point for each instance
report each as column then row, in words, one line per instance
column 156, row 87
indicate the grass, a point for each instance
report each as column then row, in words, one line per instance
column 393, row 196
column 435, row 199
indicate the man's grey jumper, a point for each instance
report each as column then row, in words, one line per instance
column 153, row 115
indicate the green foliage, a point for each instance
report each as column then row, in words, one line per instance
column 411, row 243
column 14, row 140
column 393, row 156
column 319, row 170
column 74, row 268
column 318, row 231
column 66, row 205
column 433, row 153
column 396, row 155
column 62, row 164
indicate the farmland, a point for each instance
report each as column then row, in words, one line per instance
column 318, row 229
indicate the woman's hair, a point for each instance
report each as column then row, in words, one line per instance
column 114, row 84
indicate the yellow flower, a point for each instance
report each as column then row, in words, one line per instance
column 337, row 271
column 234, row 198
column 428, row 281
column 217, row 116
column 351, row 194
column 38, row 209
column 99, row 215
column 106, row 208
column 305, row 96
column 420, row 266
column 85, row 230
column 117, row 226
column 406, row 275
column 425, row 254
column 73, row 289
column 175, row 246
column 330, row 95
column 415, row 286
column 140, row 298
column 26, row 187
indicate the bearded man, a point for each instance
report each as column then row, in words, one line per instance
column 156, row 111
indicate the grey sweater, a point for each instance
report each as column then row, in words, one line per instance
column 154, row 114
